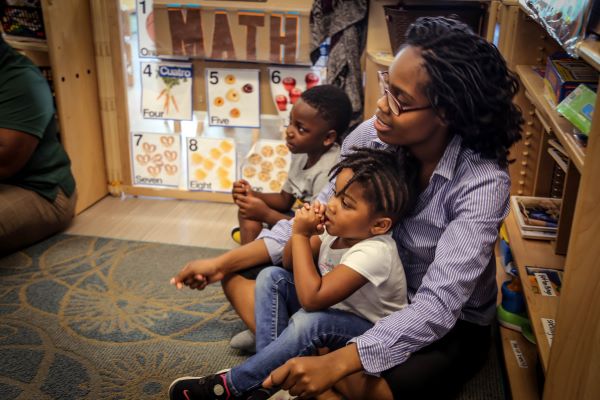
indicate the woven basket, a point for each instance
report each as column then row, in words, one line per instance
column 399, row 17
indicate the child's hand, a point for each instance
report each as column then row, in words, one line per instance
column 307, row 222
column 252, row 207
column 241, row 188
column 197, row 274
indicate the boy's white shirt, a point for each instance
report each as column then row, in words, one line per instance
column 378, row 261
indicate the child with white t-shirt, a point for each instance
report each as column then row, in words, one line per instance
column 357, row 280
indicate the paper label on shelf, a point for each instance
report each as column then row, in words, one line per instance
column 266, row 166
column 167, row 90
column 145, row 23
column 156, row 159
column 544, row 284
column 233, row 97
column 521, row 361
column 211, row 164
column 287, row 85
column 549, row 327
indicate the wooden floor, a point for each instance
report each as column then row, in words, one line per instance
column 183, row 222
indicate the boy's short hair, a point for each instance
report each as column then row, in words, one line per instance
column 332, row 104
column 387, row 178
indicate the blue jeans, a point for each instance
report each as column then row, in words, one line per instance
column 284, row 339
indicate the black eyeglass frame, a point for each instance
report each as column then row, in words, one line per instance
column 395, row 106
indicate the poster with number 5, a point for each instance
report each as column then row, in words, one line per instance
column 233, row 97
column 145, row 22
column 167, row 90
column 287, row 85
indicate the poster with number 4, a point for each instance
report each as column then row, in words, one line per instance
column 211, row 164
column 145, row 22
column 233, row 97
column 156, row 159
column 287, row 85
column 167, row 90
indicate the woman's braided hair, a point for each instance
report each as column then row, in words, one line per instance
column 471, row 86
column 389, row 186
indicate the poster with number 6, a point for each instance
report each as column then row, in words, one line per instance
column 211, row 164
column 156, row 159
column 167, row 90
column 145, row 23
column 287, row 85
column 232, row 97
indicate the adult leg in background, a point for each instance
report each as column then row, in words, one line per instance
column 275, row 302
column 434, row 372
column 26, row 217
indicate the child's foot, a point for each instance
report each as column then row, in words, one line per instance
column 236, row 235
column 245, row 341
column 200, row 388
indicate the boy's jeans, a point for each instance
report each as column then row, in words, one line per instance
column 276, row 300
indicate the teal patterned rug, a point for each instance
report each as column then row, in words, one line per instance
column 91, row 318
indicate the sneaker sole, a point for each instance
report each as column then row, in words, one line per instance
column 190, row 377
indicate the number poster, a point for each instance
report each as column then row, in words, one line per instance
column 233, row 97
column 167, row 90
column 156, row 159
column 145, row 22
column 266, row 166
column 287, row 85
column 211, row 164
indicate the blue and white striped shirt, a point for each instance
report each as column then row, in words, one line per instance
column 446, row 246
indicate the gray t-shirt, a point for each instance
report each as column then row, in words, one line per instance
column 305, row 184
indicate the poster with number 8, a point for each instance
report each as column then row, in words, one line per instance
column 167, row 90
column 287, row 85
column 233, row 97
column 211, row 164
column 156, row 159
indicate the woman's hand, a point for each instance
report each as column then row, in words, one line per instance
column 310, row 376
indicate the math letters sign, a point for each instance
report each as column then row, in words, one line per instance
column 205, row 32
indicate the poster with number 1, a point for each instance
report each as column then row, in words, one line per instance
column 167, row 90
column 145, row 22
column 232, row 97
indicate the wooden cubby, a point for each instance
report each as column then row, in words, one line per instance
column 575, row 351
column 69, row 52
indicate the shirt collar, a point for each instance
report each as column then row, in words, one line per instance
column 447, row 165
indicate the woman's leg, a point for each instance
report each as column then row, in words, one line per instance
column 436, row 371
column 275, row 302
column 306, row 332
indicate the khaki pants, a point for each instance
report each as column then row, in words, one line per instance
column 26, row 217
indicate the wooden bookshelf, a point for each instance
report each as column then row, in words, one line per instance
column 520, row 356
column 27, row 45
column 534, row 88
column 589, row 50
column 535, row 253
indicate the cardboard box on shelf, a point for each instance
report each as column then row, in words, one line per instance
column 564, row 74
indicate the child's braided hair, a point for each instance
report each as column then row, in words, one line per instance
column 389, row 186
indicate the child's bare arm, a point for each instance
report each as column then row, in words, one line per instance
column 282, row 201
column 315, row 245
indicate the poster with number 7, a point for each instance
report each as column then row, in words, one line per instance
column 155, row 159
column 233, row 97
column 167, row 90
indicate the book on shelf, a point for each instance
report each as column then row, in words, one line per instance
column 544, row 281
column 537, row 217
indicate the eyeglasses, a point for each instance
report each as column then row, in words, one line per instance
column 394, row 104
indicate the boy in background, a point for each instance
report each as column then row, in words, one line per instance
column 317, row 122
